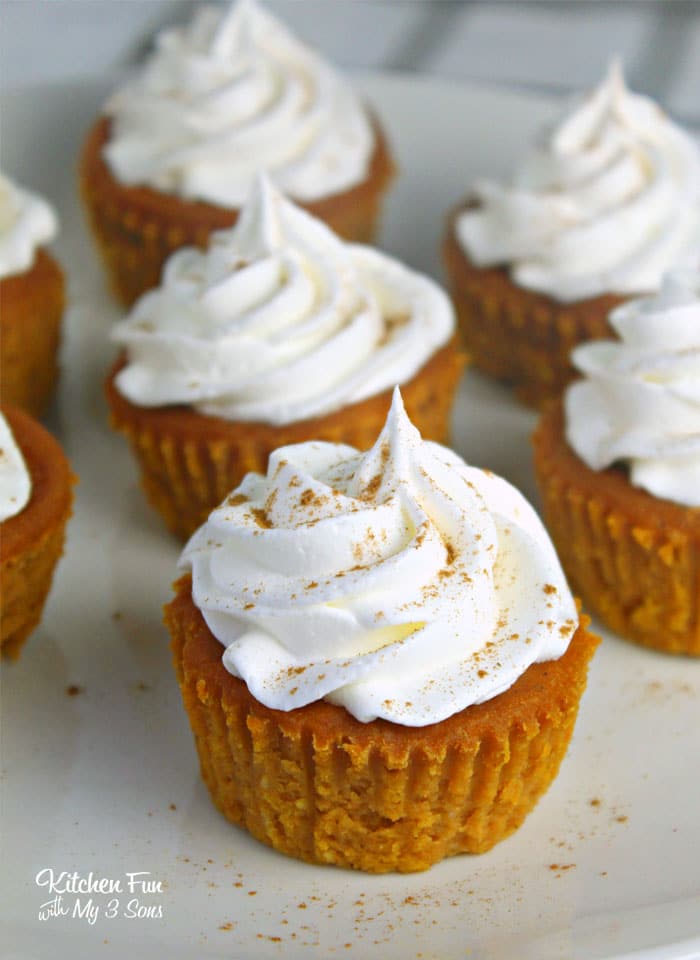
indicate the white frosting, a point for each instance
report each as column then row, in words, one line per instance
column 15, row 481
column 232, row 93
column 26, row 222
column 399, row 583
column 606, row 202
column 640, row 399
column 278, row 321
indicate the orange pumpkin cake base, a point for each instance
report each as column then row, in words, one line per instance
column 32, row 541
column 634, row 558
column 190, row 462
column 318, row 785
column 137, row 228
column 30, row 328
column 518, row 335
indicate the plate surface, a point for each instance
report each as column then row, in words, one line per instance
column 99, row 770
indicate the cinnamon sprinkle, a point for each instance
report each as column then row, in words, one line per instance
column 261, row 517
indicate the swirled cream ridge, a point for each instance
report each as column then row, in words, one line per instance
column 639, row 401
column 399, row 583
column 15, row 479
column 605, row 203
column 27, row 222
column 279, row 321
column 229, row 94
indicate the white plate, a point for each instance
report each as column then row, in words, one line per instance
column 106, row 781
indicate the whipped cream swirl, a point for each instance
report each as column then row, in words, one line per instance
column 640, row 399
column 15, row 480
column 278, row 321
column 605, row 203
column 26, row 222
column 231, row 93
column 399, row 583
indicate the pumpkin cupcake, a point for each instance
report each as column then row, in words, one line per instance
column 36, row 500
column 618, row 463
column 604, row 204
column 173, row 156
column 31, row 299
column 277, row 333
column 378, row 652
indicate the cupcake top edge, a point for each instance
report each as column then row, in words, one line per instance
column 15, row 479
column 607, row 198
column 279, row 321
column 639, row 399
column 229, row 93
column 27, row 222
column 399, row 583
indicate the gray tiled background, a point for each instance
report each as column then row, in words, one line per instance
column 558, row 45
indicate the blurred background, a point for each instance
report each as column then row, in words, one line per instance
column 554, row 46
